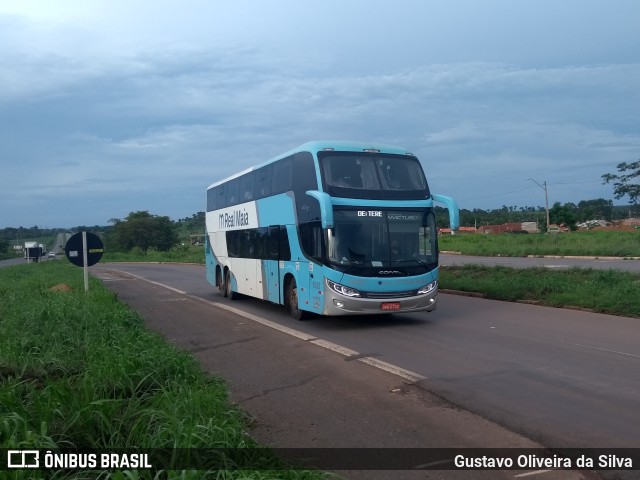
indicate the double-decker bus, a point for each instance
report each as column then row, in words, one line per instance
column 330, row 228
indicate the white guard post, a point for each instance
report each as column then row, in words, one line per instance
column 84, row 262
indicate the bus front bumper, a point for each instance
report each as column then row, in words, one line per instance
column 336, row 304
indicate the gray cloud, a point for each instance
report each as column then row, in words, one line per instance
column 150, row 126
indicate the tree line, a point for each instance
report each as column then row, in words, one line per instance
column 146, row 231
column 569, row 214
column 141, row 230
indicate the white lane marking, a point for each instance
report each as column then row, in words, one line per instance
column 393, row 369
column 374, row 362
column 156, row 283
column 268, row 323
column 347, row 352
column 604, row 350
column 528, row 474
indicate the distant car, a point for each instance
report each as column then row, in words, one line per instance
column 52, row 255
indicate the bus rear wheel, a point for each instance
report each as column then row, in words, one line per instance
column 292, row 302
column 229, row 293
column 221, row 285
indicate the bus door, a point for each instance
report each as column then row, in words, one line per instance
column 272, row 267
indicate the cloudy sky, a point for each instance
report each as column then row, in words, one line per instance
column 114, row 106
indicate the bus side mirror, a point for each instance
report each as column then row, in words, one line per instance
column 452, row 206
column 326, row 207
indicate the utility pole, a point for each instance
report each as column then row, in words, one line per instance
column 546, row 198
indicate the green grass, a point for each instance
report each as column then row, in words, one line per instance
column 80, row 370
column 604, row 291
column 603, row 243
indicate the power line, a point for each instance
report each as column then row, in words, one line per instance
column 526, row 188
column 496, row 194
column 572, row 183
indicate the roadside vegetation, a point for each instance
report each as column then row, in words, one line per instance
column 604, row 291
column 81, row 371
column 587, row 243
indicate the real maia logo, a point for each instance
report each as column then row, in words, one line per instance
column 239, row 218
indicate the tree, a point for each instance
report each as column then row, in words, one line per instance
column 626, row 183
column 143, row 230
column 598, row 208
column 4, row 247
column 563, row 214
column 194, row 224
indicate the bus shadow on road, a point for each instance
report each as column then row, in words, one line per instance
column 279, row 314
column 365, row 322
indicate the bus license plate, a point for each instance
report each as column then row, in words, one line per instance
column 390, row 306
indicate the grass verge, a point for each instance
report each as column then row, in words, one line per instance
column 604, row 291
column 594, row 243
column 81, row 371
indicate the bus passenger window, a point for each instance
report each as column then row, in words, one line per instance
column 285, row 249
column 212, row 199
column 221, row 197
column 233, row 192
column 262, row 186
column 246, row 187
column 282, row 171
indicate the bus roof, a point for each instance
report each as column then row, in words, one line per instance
column 342, row 146
column 324, row 145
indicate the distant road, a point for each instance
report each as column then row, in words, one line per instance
column 12, row 261
column 59, row 243
column 21, row 261
column 58, row 248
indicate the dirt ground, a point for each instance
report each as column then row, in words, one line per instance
column 615, row 228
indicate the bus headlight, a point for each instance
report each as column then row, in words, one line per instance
column 428, row 288
column 342, row 290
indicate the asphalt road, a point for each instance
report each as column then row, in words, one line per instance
column 562, row 378
column 12, row 261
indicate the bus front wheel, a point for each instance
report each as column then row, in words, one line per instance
column 292, row 301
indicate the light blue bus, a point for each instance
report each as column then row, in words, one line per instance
column 329, row 228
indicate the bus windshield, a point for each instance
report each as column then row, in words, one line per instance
column 369, row 240
column 367, row 175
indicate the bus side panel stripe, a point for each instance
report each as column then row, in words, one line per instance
column 271, row 211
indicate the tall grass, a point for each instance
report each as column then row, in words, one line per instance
column 81, row 371
column 603, row 243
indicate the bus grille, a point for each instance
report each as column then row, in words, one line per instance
column 383, row 295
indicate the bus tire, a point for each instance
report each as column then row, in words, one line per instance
column 221, row 285
column 292, row 301
column 229, row 293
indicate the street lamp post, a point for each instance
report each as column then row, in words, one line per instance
column 546, row 198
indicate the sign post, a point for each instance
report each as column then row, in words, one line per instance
column 92, row 249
